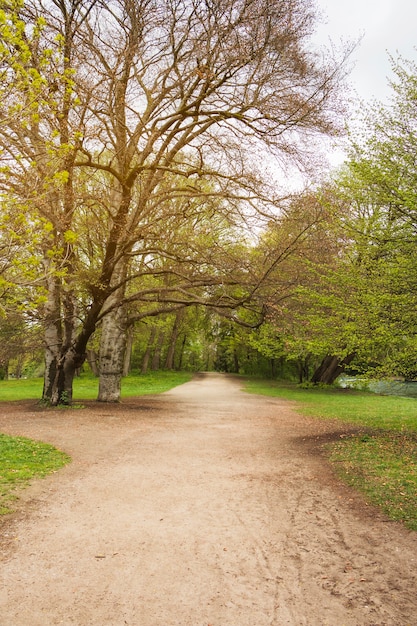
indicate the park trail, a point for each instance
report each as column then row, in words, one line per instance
column 204, row 506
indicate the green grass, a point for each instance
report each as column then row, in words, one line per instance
column 22, row 389
column 86, row 386
column 21, row 460
column 347, row 405
column 154, row 382
column 381, row 460
column 383, row 466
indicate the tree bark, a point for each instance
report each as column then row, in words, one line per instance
column 330, row 368
column 235, row 361
column 113, row 332
column 180, row 360
column 59, row 378
column 148, row 351
column 65, row 350
column 156, row 359
column 92, row 359
column 169, row 363
column 128, row 351
column 112, row 352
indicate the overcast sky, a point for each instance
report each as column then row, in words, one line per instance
column 385, row 26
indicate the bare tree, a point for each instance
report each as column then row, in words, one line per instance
column 151, row 101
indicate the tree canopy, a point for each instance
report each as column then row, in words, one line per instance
column 359, row 300
column 124, row 125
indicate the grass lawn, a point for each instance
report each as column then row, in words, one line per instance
column 86, row 386
column 380, row 461
column 23, row 459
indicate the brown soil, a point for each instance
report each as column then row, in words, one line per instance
column 204, row 506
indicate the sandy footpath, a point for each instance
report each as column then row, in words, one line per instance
column 204, row 506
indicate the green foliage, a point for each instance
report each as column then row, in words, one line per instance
column 377, row 188
column 357, row 292
column 21, row 460
column 267, row 341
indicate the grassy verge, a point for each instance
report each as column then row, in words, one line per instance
column 21, row 460
column 86, row 386
column 380, row 461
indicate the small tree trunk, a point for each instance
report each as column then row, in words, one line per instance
column 128, row 351
column 235, row 362
column 4, row 370
column 92, row 359
column 169, row 363
column 184, row 341
column 148, row 351
column 53, row 344
column 156, row 359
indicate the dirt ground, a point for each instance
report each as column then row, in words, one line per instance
column 204, row 506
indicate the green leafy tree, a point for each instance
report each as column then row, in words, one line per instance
column 358, row 305
column 379, row 185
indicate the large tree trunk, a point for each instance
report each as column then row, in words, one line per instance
column 65, row 353
column 112, row 354
column 330, row 368
column 113, row 339
column 59, row 376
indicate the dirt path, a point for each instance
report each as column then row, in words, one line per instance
column 205, row 506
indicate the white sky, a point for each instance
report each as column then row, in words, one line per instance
column 386, row 26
